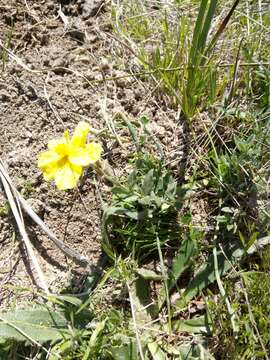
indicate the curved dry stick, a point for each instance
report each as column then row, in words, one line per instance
column 15, row 208
column 73, row 255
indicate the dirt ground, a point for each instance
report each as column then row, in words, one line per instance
column 61, row 53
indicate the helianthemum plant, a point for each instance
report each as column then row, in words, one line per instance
column 66, row 157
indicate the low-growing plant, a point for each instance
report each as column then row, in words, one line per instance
column 142, row 207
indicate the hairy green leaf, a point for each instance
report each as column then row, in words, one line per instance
column 34, row 324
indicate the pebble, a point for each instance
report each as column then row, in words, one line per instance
column 91, row 7
column 59, row 66
column 104, row 65
column 4, row 96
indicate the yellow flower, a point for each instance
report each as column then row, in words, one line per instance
column 65, row 159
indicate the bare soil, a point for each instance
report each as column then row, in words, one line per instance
column 62, row 52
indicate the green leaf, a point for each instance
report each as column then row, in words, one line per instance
column 61, row 349
column 144, row 120
column 125, row 352
column 131, row 179
column 132, row 214
column 34, row 324
column 156, row 352
column 149, row 274
column 140, row 293
column 148, row 183
column 197, row 32
column 180, row 263
column 120, row 190
column 207, row 23
column 133, row 132
column 196, row 325
column 59, row 299
column 206, row 274
column 96, row 333
column 194, row 352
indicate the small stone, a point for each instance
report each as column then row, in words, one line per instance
column 4, row 96
column 77, row 35
column 91, row 8
column 60, row 65
column 104, row 65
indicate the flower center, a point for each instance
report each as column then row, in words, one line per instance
column 63, row 161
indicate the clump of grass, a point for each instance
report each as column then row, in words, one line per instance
column 183, row 66
column 249, row 298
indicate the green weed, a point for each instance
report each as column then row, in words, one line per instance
column 143, row 207
column 250, row 302
column 184, row 67
column 28, row 189
column 4, row 210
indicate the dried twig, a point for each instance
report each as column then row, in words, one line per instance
column 16, row 210
column 73, row 255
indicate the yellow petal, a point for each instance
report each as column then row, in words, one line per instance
column 49, row 172
column 48, row 158
column 80, row 134
column 80, row 156
column 67, row 176
column 53, row 144
column 59, row 146
column 66, row 136
column 77, row 171
column 94, row 151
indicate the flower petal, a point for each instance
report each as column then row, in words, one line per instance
column 48, row 158
column 59, row 146
column 94, row 150
column 80, row 134
column 67, row 176
column 80, row 156
column 49, row 172
column 53, row 144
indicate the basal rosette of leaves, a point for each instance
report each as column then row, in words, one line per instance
column 143, row 208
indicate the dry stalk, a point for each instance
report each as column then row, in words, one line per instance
column 70, row 253
column 16, row 210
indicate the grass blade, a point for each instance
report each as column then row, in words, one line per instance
column 206, row 26
column 17, row 213
column 197, row 32
column 221, row 28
